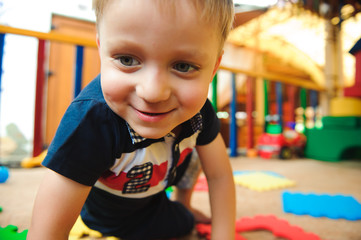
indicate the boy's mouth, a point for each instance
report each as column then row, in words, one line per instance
column 151, row 114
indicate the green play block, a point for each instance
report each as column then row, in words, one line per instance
column 340, row 138
column 341, row 122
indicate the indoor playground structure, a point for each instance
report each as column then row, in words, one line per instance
column 275, row 100
column 340, row 138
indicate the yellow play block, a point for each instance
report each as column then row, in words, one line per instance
column 345, row 106
column 259, row 181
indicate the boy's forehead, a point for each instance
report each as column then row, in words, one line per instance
column 172, row 13
column 163, row 6
column 201, row 8
column 217, row 13
column 135, row 15
column 185, row 28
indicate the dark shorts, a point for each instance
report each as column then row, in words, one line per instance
column 154, row 217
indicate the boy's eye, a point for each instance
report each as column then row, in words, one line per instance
column 128, row 61
column 184, row 67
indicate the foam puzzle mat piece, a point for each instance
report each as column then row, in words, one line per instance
column 201, row 184
column 204, row 230
column 10, row 232
column 259, row 181
column 93, row 238
column 237, row 173
column 322, row 205
column 80, row 229
column 279, row 227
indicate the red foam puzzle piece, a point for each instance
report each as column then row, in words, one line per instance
column 279, row 228
column 204, row 230
column 201, row 184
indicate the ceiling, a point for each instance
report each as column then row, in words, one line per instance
column 293, row 40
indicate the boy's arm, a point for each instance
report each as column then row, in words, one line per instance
column 57, row 206
column 216, row 166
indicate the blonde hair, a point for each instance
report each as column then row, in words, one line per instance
column 218, row 12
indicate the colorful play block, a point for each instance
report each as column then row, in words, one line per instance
column 260, row 181
column 339, row 139
column 345, row 106
column 331, row 206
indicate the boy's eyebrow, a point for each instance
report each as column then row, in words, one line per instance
column 191, row 53
column 184, row 52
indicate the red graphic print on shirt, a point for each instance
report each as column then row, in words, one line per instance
column 183, row 155
column 138, row 179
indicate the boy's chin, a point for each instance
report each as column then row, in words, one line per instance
column 153, row 133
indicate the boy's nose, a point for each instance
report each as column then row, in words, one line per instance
column 154, row 87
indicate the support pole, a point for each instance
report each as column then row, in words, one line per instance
column 333, row 66
column 214, row 92
column 2, row 44
column 78, row 69
column 303, row 98
column 291, row 95
column 233, row 121
column 279, row 103
column 249, row 110
column 313, row 99
column 39, row 100
column 266, row 112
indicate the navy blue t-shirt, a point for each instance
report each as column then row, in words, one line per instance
column 95, row 147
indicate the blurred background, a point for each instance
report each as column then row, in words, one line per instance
column 289, row 60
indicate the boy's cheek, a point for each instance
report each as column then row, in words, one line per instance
column 195, row 98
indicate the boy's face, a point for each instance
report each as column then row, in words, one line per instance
column 156, row 65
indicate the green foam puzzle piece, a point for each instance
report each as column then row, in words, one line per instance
column 10, row 232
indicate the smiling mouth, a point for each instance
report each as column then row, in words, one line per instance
column 152, row 114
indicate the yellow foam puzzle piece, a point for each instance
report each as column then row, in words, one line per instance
column 33, row 161
column 81, row 232
column 259, row 181
column 80, row 229
column 92, row 238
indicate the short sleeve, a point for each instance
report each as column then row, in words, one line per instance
column 211, row 124
column 83, row 147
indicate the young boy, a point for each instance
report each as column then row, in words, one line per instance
column 130, row 133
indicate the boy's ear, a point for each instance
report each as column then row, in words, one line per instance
column 216, row 66
column 98, row 43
